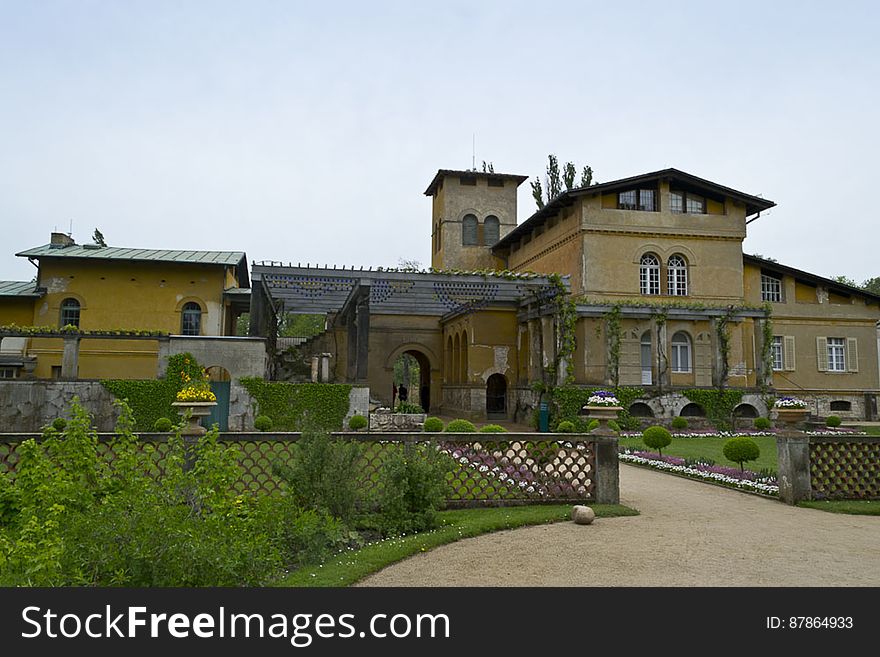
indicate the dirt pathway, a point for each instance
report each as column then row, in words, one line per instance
column 689, row 534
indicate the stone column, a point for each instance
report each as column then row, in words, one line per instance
column 315, row 370
column 793, row 455
column 607, row 477
column 534, row 351
column 325, row 368
column 351, row 351
column 70, row 359
column 548, row 346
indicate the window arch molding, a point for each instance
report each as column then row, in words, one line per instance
column 491, row 229
column 470, row 230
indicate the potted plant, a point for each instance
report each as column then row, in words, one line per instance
column 791, row 411
column 195, row 401
column 603, row 406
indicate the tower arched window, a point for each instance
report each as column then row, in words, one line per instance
column 70, row 312
column 191, row 319
column 469, row 230
column 649, row 274
column 681, row 352
column 677, row 276
column 491, row 230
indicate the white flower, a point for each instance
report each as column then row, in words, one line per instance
column 790, row 402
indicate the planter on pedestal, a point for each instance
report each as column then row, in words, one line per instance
column 193, row 412
column 792, row 417
column 603, row 414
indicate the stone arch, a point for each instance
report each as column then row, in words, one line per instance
column 746, row 411
column 218, row 373
column 427, row 361
column 641, row 409
column 692, row 410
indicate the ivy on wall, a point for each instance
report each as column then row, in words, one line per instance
column 569, row 400
column 151, row 399
column 566, row 318
column 766, row 352
column 612, row 327
column 298, row 406
column 718, row 404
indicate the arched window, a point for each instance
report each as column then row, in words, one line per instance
column 70, row 312
column 681, row 352
column 649, row 274
column 191, row 320
column 677, row 276
column 491, row 230
column 469, row 230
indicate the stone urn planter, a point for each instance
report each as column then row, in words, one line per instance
column 603, row 414
column 193, row 412
column 791, row 418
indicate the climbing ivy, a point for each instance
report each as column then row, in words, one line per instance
column 722, row 333
column 298, row 406
column 766, row 352
column 566, row 318
column 612, row 327
column 569, row 400
column 151, row 399
column 718, row 404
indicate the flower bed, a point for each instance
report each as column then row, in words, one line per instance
column 731, row 477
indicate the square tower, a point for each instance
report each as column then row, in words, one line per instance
column 471, row 211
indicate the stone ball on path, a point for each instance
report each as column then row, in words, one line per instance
column 583, row 515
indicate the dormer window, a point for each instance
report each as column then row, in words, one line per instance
column 686, row 202
column 637, row 199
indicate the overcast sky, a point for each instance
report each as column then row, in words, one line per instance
column 307, row 132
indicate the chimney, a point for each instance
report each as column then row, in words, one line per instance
column 60, row 240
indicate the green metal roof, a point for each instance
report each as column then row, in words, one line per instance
column 90, row 251
column 18, row 289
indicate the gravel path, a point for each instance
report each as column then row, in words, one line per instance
column 689, row 534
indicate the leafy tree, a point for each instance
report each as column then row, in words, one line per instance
column 568, row 174
column 554, row 181
column 872, row 285
column 537, row 192
column 557, row 180
column 587, row 177
column 292, row 325
column 845, row 281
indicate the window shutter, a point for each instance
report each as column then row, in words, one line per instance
column 852, row 355
column 822, row 354
column 789, row 358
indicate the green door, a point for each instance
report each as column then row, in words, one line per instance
column 220, row 413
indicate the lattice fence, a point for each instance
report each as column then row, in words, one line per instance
column 845, row 470
column 482, row 472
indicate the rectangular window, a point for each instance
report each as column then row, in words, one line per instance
column 777, row 351
column 7, row 373
column 468, row 180
column 56, row 371
column 637, row 199
column 771, row 288
column 681, row 358
column 686, row 202
column 836, row 355
column 496, row 182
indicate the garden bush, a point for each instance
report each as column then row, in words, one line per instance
column 413, row 487
column 263, row 423
column 73, row 517
column 409, row 407
column 762, row 423
column 832, row 421
column 614, row 426
column 741, row 449
column 460, row 426
column 657, row 437
column 565, row 426
column 59, row 423
column 492, row 428
column 679, row 423
column 358, row 422
column 433, row 424
column 163, row 424
column 323, row 474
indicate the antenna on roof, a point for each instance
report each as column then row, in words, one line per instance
column 70, row 232
column 473, row 151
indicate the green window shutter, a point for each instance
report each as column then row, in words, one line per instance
column 822, row 354
column 852, row 355
column 789, row 358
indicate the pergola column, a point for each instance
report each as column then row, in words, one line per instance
column 70, row 358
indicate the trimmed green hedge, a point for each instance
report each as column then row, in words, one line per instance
column 569, row 400
column 718, row 404
column 298, row 406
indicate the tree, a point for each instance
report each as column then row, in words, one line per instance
column 872, row 285
column 845, row 281
column 98, row 238
column 557, row 180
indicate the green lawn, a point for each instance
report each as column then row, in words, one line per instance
column 354, row 565
column 691, row 448
column 852, row 507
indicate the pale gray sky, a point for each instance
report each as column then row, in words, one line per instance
column 306, row 132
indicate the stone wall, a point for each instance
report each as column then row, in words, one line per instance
column 239, row 356
column 27, row 406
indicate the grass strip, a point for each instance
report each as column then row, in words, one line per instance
column 851, row 507
column 353, row 565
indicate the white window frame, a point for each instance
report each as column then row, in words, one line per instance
column 836, row 348
column 649, row 274
column 771, row 288
column 777, row 350
column 681, row 354
column 677, row 276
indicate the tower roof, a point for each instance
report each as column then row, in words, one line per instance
column 442, row 173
